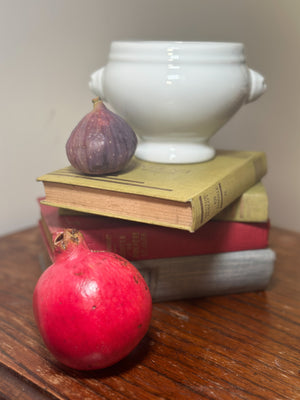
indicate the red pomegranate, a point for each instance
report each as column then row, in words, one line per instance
column 91, row 308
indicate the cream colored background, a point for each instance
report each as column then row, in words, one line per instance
column 48, row 48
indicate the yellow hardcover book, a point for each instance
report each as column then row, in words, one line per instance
column 251, row 206
column 183, row 196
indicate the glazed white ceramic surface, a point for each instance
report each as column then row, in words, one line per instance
column 176, row 95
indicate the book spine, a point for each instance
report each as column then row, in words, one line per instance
column 252, row 206
column 218, row 196
column 143, row 242
column 245, row 210
column 209, row 275
column 136, row 241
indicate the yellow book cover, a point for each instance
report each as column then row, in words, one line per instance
column 182, row 196
column 251, row 206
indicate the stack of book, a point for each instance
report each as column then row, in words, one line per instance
column 192, row 230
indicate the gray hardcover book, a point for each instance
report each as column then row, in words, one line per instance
column 215, row 274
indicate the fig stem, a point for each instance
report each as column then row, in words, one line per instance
column 96, row 101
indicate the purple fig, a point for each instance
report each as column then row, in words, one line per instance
column 101, row 143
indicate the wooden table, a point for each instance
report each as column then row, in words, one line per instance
column 229, row 347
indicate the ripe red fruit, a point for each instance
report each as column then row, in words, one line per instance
column 92, row 308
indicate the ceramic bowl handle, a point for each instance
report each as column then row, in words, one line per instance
column 96, row 84
column 257, row 85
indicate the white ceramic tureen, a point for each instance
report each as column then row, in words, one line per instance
column 176, row 95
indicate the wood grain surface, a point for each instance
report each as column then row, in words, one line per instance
column 242, row 346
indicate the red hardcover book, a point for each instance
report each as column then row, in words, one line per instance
column 138, row 241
